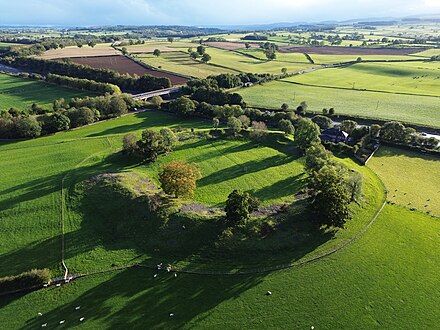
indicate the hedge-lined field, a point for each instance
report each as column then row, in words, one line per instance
column 244, row 63
column 403, row 77
column 421, row 110
column 180, row 62
column 21, row 93
column 413, row 179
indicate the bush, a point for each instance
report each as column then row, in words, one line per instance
column 27, row 280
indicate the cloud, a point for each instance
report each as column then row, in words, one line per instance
column 201, row 12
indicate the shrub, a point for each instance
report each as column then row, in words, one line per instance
column 156, row 101
column 26, row 280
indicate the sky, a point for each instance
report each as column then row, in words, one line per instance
column 202, row 12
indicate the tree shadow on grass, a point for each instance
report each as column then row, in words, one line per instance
column 150, row 119
column 134, row 299
column 238, row 170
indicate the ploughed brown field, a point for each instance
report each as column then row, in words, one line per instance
column 125, row 65
column 328, row 50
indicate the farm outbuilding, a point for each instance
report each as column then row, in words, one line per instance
column 334, row 134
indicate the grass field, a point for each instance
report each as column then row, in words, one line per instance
column 386, row 279
column 180, row 62
column 421, row 110
column 274, row 175
column 163, row 46
column 4, row 45
column 30, row 195
column 21, row 93
column 410, row 77
column 413, row 180
column 244, row 63
column 328, row 59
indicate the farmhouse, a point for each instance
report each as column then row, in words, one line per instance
column 334, row 134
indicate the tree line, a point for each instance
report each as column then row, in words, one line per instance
column 75, row 113
column 125, row 82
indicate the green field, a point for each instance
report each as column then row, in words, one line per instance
column 4, row 45
column 328, row 59
column 409, row 77
column 180, row 62
column 413, row 180
column 386, row 279
column 421, row 110
column 21, row 93
column 31, row 197
column 274, row 175
column 243, row 63
column 355, row 287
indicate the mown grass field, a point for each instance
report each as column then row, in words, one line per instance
column 421, row 110
column 328, row 59
column 409, row 77
column 273, row 175
column 412, row 179
column 385, row 279
column 21, row 93
column 164, row 46
column 243, row 63
column 180, row 62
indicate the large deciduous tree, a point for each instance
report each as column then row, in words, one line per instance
column 179, row 179
column 306, row 134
